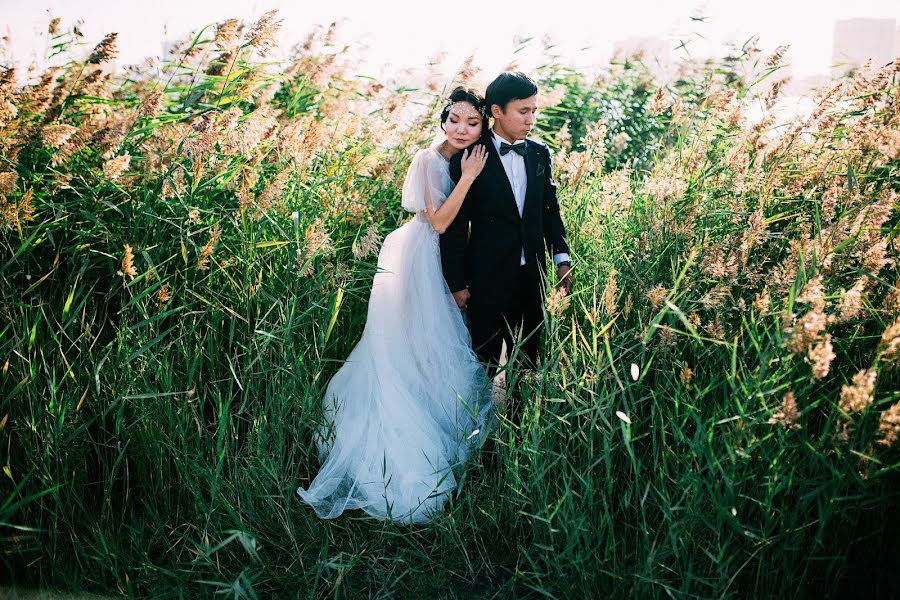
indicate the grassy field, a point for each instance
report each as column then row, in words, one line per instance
column 187, row 250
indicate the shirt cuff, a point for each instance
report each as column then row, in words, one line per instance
column 561, row 257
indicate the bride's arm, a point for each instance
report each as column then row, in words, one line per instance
column 471, row 164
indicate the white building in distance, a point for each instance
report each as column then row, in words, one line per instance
column 858, row 40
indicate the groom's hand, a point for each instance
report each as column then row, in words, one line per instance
column 564, row 278
column 462, row 298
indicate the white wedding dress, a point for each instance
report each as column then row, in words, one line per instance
column 411, row 401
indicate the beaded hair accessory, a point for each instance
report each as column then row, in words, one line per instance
column 480, row 111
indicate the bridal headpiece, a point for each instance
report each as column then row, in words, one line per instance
column 480, row 111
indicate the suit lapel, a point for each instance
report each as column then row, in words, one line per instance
column 531, row 161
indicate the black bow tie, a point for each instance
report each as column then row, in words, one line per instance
column 518, row 148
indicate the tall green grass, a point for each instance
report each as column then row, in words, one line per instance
column 155, row 426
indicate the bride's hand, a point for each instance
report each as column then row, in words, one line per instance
column 462, row 298
column 473, row 162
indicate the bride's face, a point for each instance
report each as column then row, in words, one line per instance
column 463, row 125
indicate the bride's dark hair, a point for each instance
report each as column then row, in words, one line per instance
column 470, row 95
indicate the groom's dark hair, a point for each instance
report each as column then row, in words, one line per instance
column 507, row 87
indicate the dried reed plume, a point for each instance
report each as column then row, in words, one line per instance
column 616, row 191
column 467, row 71
column 114, row 168
column 820, row 355
column 553, row 97
column 610, row 295
column 856, row 396
column 557, row 302
column 272, row 193
column 813, row 293
column 662, row 185
column 367, row 244
column 805, row 330
column 164, row 294
column 889, row 425
column 788, row 416
column 775, row 58
column 658, row 103
column 317, row 239
column 686, row 375
column 762, row 302
column 851, row 300
column 9, row 214
column 8, row 181
column 620, row 142
column 108, row 140
column 8, row 81
column 677, row 111
column 657, row 295
column 105, row 51
column 152, row 105
column 226, row 33
column 890, row 343
column 715, row 328
column 666, row 340
column 128, row 269
column 261, row 36
column 207, row 250
column 24, row 207
column 55, row 136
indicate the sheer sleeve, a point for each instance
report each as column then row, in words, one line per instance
column 426, row 182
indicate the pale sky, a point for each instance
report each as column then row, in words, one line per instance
column 405, row 33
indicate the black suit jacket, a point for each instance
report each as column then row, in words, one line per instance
column 487, row 260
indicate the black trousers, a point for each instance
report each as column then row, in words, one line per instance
column 491, row 324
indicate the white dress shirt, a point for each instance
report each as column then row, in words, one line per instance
column 514, row 165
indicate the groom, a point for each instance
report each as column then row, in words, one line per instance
column 493, row 253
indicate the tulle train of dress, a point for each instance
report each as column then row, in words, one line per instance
column 411, row 401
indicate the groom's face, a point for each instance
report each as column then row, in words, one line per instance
column 515, row 122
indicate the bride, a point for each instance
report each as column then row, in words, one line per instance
column 412, row 399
